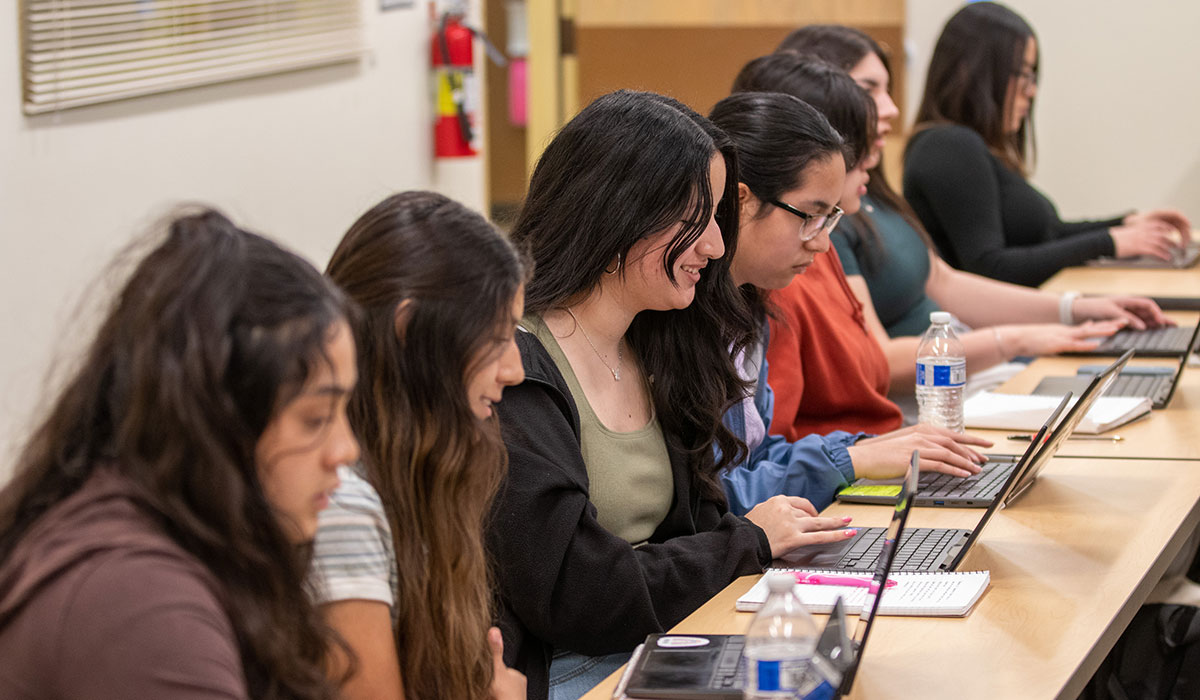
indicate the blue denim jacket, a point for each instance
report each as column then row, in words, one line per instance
column 815, row 466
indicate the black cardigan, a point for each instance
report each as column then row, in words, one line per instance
column 986, row 218
column 566, row 582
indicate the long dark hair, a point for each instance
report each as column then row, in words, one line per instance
column 824, row 86
column 846, row 47
column 778, row 137
column 631, row 165
column 215, row 330
column 436, row 283
column 978, row 55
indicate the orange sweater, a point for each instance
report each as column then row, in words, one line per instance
column 827, row 370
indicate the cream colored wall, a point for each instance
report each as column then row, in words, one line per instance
column 1117, row 107
column 295, row 156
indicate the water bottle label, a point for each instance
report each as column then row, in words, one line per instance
column 788, row 674
column 929, row 374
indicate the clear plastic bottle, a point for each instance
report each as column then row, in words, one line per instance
column 941, row 374
column 779, row 643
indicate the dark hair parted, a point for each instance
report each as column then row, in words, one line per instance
column 632, row 165
column 436, row 283
column 971, row 76
column 215, row 330
column 849, row 109
column 846, row 47
column 778, row 137
column 838, row 44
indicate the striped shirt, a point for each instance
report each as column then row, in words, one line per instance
column 353, row 558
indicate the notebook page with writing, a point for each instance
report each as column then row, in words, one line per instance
column 916, row 594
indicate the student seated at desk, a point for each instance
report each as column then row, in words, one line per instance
column 892, row 266
column 399, row 564
column 152, row 538
column 611, row 523
column 966, row 165
column 833, row 359
column 791, row 166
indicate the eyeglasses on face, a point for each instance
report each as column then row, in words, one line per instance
column 814, row 224
column 1027, row 79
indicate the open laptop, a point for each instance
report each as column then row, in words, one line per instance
column 981, row 490
column 942, row 549
column 937, row 489
column 922, row 549
column 1169, row 341
column 1155, row 383
column 712, row 667
column 1181, row 257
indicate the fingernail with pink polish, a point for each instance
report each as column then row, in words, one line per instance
column 847, row 519
column 850, row 533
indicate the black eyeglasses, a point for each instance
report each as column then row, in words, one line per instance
column 813, row 224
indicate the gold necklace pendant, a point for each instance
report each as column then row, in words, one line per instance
column 616, row 371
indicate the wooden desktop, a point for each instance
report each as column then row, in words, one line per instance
column 1071, row 561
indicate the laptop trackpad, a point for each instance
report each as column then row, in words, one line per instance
column 819, row 555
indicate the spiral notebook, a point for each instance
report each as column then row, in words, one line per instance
column 916, row 594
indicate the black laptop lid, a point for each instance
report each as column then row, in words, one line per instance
column 1095, row 389
column 1183, row 360
column 1039, row 442
column 887, row 557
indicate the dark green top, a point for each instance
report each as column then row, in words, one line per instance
column 895, row 269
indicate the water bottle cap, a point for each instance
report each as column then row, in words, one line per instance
column 780, row 582
column 940, row 317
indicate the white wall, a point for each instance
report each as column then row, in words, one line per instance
column 295, row 156
column 298, row 156
column 1117, row 105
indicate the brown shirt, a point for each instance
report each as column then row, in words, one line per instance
column 97, row 603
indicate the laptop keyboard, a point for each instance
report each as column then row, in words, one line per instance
column 1138, row 385
column 731, row 670
column 987, row 482
column 1170, row 339
column 919, row 548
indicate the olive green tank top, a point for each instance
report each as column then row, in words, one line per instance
column 630, row 477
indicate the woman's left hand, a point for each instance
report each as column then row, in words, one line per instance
column 1139, row 312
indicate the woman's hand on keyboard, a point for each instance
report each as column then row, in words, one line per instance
column 887, row 456
column 1037, row 339
column 1172, row 219
column 1139, row 312
column 790, row 522
column 1144, row 235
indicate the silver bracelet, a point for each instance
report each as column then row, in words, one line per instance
column 1064, row 308
column 999, row 343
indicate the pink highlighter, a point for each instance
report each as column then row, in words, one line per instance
column 836, row 580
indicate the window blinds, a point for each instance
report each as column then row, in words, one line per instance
column 81, row 52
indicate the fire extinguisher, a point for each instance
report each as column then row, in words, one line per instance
column 456, row 90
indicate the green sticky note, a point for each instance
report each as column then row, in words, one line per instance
column 887, row 490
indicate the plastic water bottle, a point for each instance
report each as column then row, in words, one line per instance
column 941, row 375
column 779, row 644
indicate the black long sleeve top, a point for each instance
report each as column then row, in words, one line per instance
column 986, row 218
column 565, row 581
